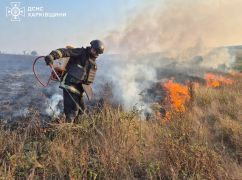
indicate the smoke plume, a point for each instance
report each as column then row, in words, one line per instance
column 180, row 28
column 170, row 32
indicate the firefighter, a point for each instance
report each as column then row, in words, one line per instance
column 79, row 75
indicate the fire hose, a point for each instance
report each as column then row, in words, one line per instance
column 57, row 76
column 38, row 79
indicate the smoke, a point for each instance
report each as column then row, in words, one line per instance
column 132, row 80
column 179, row 28
column 176, row 29
column 53, row 107
column 219, row 59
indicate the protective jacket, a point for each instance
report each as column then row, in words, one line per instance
column 80, row 69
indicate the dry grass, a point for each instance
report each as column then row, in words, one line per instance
column 203, row 143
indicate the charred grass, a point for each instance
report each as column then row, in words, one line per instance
column 205, row 142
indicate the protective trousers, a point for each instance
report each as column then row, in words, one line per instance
column 73, row 105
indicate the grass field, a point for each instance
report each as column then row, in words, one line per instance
column 203, row 142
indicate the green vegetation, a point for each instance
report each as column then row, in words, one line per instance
column 203, row 143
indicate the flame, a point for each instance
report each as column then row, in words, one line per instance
column 216, row 81
column 178, row 95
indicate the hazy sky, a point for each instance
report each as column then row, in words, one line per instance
column 171, row 26
column 84, row 21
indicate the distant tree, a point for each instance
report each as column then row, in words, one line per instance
column 34, row 53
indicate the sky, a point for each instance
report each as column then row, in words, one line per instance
column 173, row 27
column 84, row 21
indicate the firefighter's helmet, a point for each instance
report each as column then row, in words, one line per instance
column 98, row 46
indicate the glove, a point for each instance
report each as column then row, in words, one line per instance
column 49, row 60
